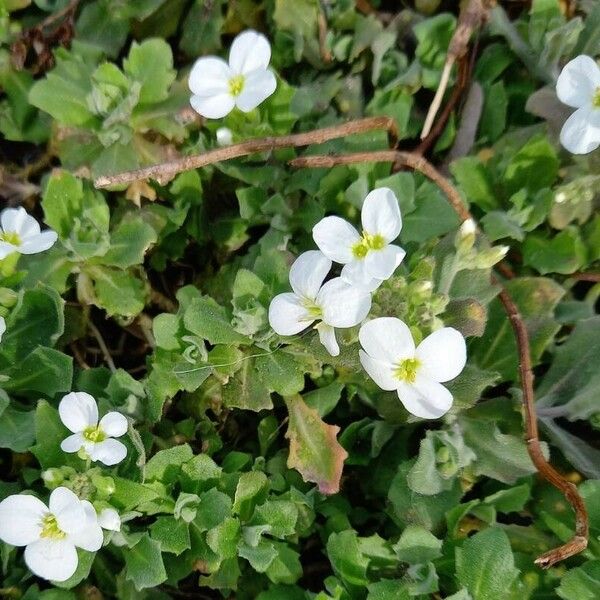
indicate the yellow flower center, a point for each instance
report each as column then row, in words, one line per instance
column 10, row 237
column 596, row 98
column 50, row 528
column 313, row 310
column 236, row 85
column 94, row 434
column 366, row 243
column 407, row 370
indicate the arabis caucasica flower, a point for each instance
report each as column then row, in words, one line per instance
column 218, row 87
column 391, row 359
column 50, row 534
column 578, row 86
column 79, row 413
column 368, row 258
column 333, row 304
column 2, row 327
column 19, row 232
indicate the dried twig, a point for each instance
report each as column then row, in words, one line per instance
column 473, row 15
column 165, row 171
column 579, row 542
column 103, row 347
column 593, row 277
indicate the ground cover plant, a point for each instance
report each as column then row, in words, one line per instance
column 298, row 299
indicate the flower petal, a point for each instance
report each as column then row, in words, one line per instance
column 38, row 243
column 20, row 519
column 114, row 424
column 6, row 249
column 89, row 536
column 287, row 315
column 258, row 86
column 55, row 560
column 250, row 50
column 381, row 214
column 67, row 508
column 327, row 338
column 387, row 339
column 343, row 305
column 78, row 410
column 213, row 107
column 335, row 238
column 381, row 264
column 72, row 443
column 308, row 272
column 110, row 452
column 382, row 373
column 355, row 273
column 109, row 519
column 578, row 81
column 2, row 327
column 443, row 354
column 425, row 399
column 579, row 135
column 209, row 77
column 13, row 219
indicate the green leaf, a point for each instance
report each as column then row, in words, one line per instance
column 417, row 545
column 348, row 563
column 485, row 565
column 208, row 320
column 129, row 242
column 474, row 180
column 250, row 489
column 165, row 465
column 534, row 166
column 581, row 583
column 280, row 372
column 144, row 564
column 35, row 320
column 314, row 449
column 151, row 63
column 564, row 253
column 44, row 371
column 245, row 390
column 172, row 535
column 223, row 539
column 17, row 429
column 118, row 292
column 64, row 91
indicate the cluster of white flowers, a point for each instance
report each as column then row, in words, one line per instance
column 52, row 533
column 578, row 86
column 389, row 354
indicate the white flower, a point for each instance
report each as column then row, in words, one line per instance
column 369, row 258
column 245, row 82
column 109, row 518
column 19, row 232
column 390, row 358
column 2, row 327
column 333, row 304
column 578, row 86
column 50, row 535
column 224, row 136
column 79, row 412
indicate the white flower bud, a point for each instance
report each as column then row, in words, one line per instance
column 224, row 136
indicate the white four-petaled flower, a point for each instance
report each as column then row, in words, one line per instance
column 578, row 86
column 50, row 534
column 368, row 258
column 218, row 87
column 333, row 304
column 79, row 412
column 20, row 232
column 391, row 359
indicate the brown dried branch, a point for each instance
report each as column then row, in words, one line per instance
column 579, row 542
column 165, row 171
column 593, row 277
column 472, row 16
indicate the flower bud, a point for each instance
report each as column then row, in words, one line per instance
column 465, row 237
column 105, row 486
column 488, row 258
column 224, row 136
column 53, row 478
